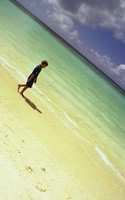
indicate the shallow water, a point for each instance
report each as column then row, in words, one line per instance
column 84, row 102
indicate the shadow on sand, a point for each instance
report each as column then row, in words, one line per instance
column 31, row 104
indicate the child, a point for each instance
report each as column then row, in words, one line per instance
column 32, row 77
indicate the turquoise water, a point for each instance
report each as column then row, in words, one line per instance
column 82, row 99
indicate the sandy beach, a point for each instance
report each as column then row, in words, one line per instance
column 65, row 139
column 40, row 159
column 29, row 170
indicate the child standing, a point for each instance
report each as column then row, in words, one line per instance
column 32, row 77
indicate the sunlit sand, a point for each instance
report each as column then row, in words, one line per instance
column 65, row 139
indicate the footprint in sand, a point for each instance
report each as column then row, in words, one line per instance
column 41, row 188
column 68, row 198
column 29, row 169
column 19, row 152
column 6, row 136
column 43, row 169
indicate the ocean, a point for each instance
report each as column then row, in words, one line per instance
column 83, row 100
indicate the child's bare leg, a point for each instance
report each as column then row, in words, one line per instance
column 23, row 90
column 21, row 85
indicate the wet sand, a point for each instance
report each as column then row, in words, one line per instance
column 40, row 158
column 65, row 139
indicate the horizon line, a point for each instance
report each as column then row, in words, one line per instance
column 93, row 66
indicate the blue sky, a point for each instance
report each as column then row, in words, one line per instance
column 96, row 28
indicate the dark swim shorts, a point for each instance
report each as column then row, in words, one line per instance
column 29, row 83
column 34, row 76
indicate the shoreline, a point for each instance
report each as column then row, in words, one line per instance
column 83, row 58
column 45, row 158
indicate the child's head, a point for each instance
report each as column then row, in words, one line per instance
column 44, row 63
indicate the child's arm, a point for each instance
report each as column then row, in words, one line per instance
column 35, row 80
column 31, row 77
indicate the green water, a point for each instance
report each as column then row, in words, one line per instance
column 78, row 95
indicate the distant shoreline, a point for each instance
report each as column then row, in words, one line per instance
column 71, row 48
